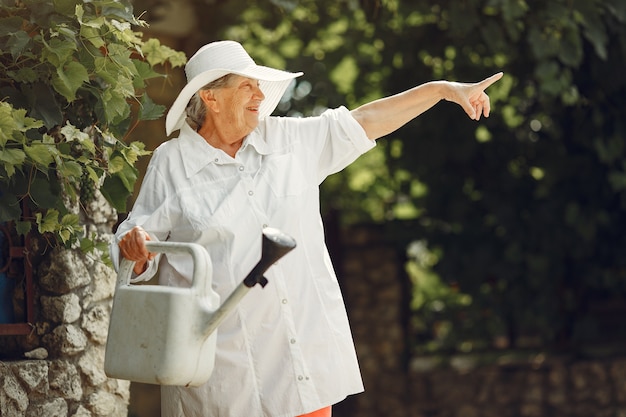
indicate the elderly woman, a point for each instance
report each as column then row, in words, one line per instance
column 233, row 170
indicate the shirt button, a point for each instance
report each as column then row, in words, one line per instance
column 216, row 160
column 250, row 192
column 284, row 301
column 293, row 341
column 264, row 226
column 300, row 377
column 241, row 168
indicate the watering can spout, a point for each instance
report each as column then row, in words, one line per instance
column 275, row 245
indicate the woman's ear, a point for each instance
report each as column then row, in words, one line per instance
column 208, row 98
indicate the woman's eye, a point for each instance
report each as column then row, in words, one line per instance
column 250, row 85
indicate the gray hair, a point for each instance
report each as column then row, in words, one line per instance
column 196, row 109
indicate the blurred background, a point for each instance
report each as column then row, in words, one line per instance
column 504, row 237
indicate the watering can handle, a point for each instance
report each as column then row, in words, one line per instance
column 275, row 245
column 201, row 261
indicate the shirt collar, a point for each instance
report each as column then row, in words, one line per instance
column 257, row 140
column 197, row 153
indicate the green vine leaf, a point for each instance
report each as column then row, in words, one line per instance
column 44, row 193
column 43, row 104
column 71, row 133
column 49, row 222
column 9, row 207
column 66, row 7
column 12, row 158
column 24, row 123
column 123, row 32
column 131, row 154
column 128, row 176
column 144, row 72
column 116, row 164
column 23, row 227
column 93, row 176
column 121, row 57
column 6, row 127
column 106, row 69
column 69, row 225
column 68, row 79
column 92, row 34
column 158, row 54
column 10, row 25
column 149, row 110
column 25, row 75
column 70, row 169
column 18, row 43
column 57, row 51
column 42, row 154
column 115, row 192
column 125, row 86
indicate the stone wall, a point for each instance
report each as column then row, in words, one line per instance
column 374, row 287
column 518, row 384
column 536, row 386
column 61, row 372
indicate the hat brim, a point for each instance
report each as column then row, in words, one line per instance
column 273, row 84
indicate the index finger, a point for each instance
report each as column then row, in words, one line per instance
column 488, row 81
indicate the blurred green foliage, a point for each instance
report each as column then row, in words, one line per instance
column 521, row 215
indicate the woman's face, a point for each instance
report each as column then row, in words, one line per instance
column 236, row 107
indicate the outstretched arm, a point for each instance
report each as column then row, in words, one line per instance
column 381, row 117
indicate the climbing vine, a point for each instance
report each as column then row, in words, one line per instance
column 72, row 86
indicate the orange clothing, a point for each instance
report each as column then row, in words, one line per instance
column 324, row 412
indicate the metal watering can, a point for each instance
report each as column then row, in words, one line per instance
column 166, row 335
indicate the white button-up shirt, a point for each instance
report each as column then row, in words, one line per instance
column 287, row 348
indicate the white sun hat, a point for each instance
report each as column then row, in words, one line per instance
column 217, row 59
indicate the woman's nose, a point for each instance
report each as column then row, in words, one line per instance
column 259, row 93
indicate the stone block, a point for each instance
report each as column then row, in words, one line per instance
column 33, row 375
column 96, row 323
column 100, row 211
column 557, row 382
column 590, row 383
column 534, row 391
column 618, row 374
column 65, row 380
column 91, row 365
column 531, row 410
column 63, row 272
column 468, row 411
column 103, row 284
column 66, row 339
column 56, row 407
column 82, row 412
column 102, row 403
column 61, row 309
column 451, row 386
column 509, row 377
column 13, row 398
